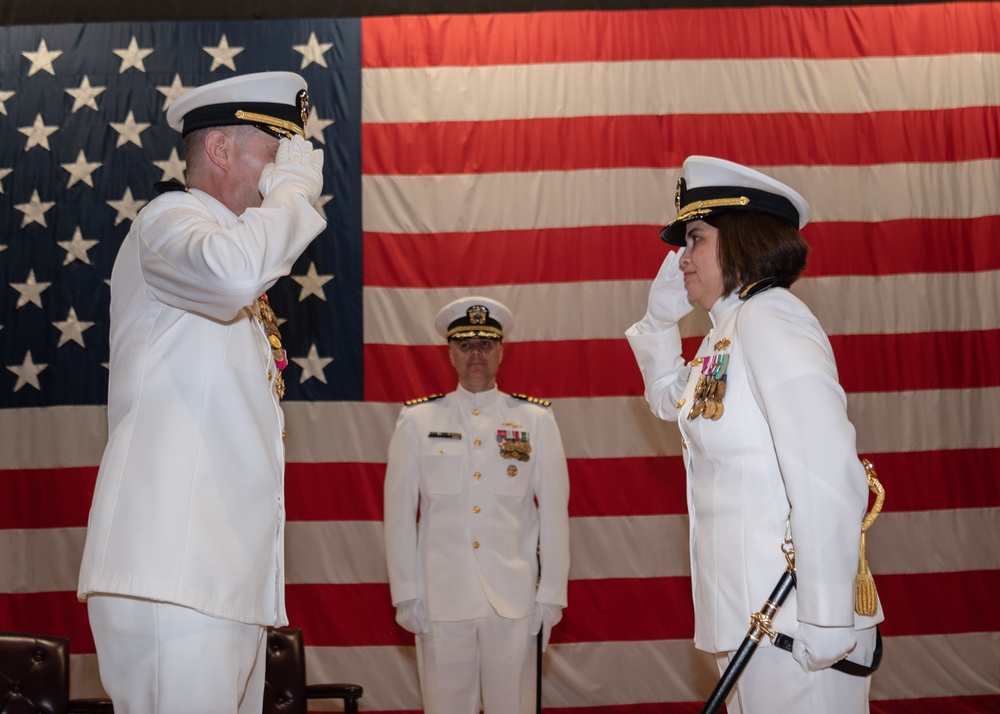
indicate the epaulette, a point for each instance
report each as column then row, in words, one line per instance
column 421, row 400
column 533, row 400
column 757, row 288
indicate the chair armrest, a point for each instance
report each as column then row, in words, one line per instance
column 334, row 691
column 90, row 706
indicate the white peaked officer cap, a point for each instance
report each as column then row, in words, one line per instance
column 275, row 102
column 709, row 186
column 474, row 316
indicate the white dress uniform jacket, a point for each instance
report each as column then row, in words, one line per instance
column 188, row 507
column 475, row 544
column 783, row 448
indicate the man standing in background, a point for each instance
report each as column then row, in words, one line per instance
column 487, row 473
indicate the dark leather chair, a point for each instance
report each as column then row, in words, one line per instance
column 34, row 677
column 285, row 688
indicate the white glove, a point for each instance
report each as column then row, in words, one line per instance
column 668, row 298
column 297, row 166
column 412, row 616
column 816, row 647
column 544, row 618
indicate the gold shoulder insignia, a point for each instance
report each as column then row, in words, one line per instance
column 421, row 400
column 533, row 400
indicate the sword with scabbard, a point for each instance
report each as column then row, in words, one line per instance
column 866, row 603
column 760, row 625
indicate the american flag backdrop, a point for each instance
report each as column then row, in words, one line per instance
column 532, row 158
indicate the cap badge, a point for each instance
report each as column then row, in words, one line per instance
column 302, row 99
column 477, row 314
column 678, row 192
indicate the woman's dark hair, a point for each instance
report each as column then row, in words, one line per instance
column 754, row 246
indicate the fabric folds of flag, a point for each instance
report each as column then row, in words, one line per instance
column 532, row 157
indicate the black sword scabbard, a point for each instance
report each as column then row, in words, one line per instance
column 760, row 624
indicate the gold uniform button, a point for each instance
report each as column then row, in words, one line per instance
column 282, row 434
column 477, row 442
column 684, row 444
column 269, row 375
column 475, row 545
column 477, row 475
column 475, row 412
column 475, row 509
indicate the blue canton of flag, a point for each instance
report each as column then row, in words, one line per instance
column 83, row 138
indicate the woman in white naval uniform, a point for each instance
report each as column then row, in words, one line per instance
column 465, row 579
column 768, row 447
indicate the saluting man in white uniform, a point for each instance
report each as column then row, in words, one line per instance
column 487, row 473
column 183, row 564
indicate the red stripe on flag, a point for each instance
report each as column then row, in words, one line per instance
column 345, row 491
column 639, row 486
column 938, row 705
column 606, row 368
column 836, row 32
column 70, row 492
column 778, row 139
column 939, row 480
column 48, row 613
column 915, row 361
column 635, row 252
column 646, row 486
column 909, row 602
column 903, row 247
column 562, row 368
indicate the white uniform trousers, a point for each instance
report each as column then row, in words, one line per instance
column 159, row 658
column 491, row 660
column 774, row 682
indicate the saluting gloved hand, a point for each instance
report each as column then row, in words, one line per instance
column 297, row 166
column 544, row 618
column 412, row 616
column 816, row 647
column 668, row 299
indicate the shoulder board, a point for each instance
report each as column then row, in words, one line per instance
column 757, row 288
column 533, row 400
column 421, row 400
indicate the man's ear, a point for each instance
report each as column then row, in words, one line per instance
column 500, row 354
column 217, row 148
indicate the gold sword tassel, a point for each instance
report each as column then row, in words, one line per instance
column 865, row 594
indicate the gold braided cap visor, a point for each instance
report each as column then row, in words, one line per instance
column 465, row 332
column 281, row 120
column 700, row 202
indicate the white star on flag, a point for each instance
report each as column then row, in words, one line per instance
column 127, row 207
column 41, row 59
column 172, row 168
column 76, row 249
column 38, row 134
column 31, row 291
column 312, row 365
column 71, row 329
column 27, row 372
column 321, row 203
column 132, row 56
column 223, row 55
column 4, row 96
column 85, row 95
column 81, row 170
column 313, row 51
column 312, row 283
column 315, row 126
column 129, row 130
column 3, row 174
column 175, row 90
column 34, row 210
